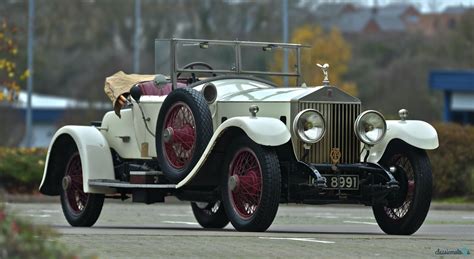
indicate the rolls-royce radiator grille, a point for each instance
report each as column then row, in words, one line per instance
column 340, row 134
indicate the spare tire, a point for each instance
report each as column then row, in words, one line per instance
column 183, row 130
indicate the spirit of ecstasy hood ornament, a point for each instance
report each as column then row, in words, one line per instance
column 325, row 68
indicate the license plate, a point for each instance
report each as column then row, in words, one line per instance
column 343, row 182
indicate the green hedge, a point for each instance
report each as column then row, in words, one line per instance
column 453, row 161
column 453, row 164
column 21, row 169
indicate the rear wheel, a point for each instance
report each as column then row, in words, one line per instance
column 80, row 209
column 406, row 210
column 251, row 185
column 210, row 215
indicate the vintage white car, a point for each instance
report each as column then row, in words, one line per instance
column 236, row 146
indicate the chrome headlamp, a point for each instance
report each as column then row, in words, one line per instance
column 309, row 125
column 370, row 127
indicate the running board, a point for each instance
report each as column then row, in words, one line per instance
column 120, row 184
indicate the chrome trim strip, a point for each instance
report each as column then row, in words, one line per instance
column 146, row 173
column 120, row 184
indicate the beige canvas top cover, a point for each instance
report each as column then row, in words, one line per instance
column 120, row 83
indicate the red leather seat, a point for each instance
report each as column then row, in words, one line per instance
column 149, row 88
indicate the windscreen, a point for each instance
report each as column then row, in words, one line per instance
column 225, row 57
column 163, row 57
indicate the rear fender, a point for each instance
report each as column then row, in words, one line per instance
column 96, row 159
column 414, row 132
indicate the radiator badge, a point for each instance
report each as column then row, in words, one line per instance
column 335, row 155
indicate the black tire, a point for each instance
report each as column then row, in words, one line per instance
column 80, row 209
column 251, row 191
column 210, row 215
column 184, row 113
column 406, row 211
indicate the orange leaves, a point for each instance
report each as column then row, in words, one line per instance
column 25, row 75
column 326, row 47
column 9, row 76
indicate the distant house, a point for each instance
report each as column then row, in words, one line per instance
column 331, row 10
column 457, row 9
column 355, row 22
column 431, row 24
column 407, row 13
column 352, row 19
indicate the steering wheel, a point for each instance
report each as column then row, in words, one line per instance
column 194, row 64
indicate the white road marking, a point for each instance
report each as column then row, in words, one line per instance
column 180, row 222
column 299, row 239
column 361, row 218
column 173, row 215
column 325, row 217
column 468, row 217
column 39, row 215
column 360, row 222
column 50, row 211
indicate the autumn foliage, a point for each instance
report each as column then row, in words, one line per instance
column 9, row 74
column 325, row 47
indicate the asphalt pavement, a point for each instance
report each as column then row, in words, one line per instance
column 128, row 230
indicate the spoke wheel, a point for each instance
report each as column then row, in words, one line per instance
column 400, row 205
column 72, row 185
column 183, row 130
column 245, row 183
column 180, row 135
column 406, row 210
column 250, row 185
column 210, row 215
column 80, row 209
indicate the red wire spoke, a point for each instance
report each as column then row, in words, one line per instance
column 247, row 194
column 181, row 121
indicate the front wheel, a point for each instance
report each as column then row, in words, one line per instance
column 210, row 215
column 80, row 209
column 406, row 210
column 251, row 185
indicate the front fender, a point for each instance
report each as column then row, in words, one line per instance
column 262, row 130
column 414, row 132
column 96, row 158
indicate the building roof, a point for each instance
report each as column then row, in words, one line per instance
column 331, row 9
column 357, row 21
column 459, row 9
column 387, row 18
column 353, row 22
column 394, row 9
column 390, row 23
